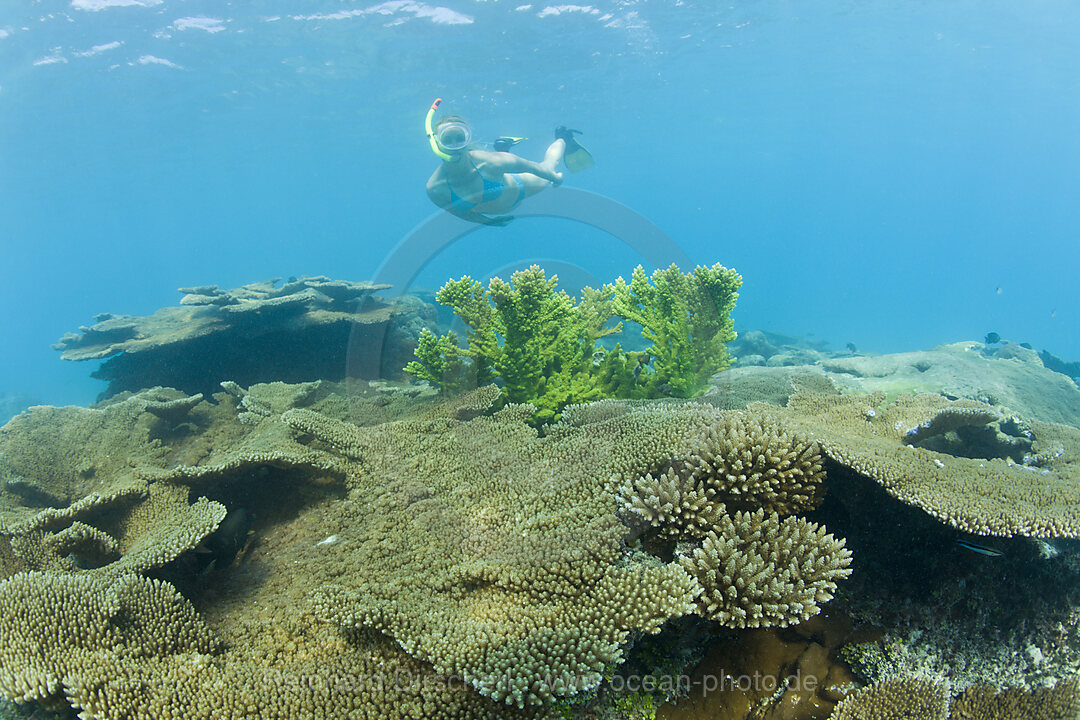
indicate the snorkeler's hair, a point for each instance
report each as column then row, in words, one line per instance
column 449, row 119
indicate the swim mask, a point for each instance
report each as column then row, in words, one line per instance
column 453, row 135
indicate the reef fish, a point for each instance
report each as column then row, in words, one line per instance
column 981, row 549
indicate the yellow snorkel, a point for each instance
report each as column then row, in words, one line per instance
column 431, row 135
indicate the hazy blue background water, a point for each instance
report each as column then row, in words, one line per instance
column 893, row 173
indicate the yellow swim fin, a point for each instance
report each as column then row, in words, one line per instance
column 503, row 143
column 576, row 157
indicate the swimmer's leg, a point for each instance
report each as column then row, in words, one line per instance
column 554, row 155
column 530, row 184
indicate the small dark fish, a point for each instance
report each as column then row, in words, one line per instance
column 981, row 549
column 992, row 338
column 230, row 538
column 643, row 361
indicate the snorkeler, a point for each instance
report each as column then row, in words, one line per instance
column 482, row 186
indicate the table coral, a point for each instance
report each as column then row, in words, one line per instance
column 989, row 495
column 1060, row 702
column 531, row 540
column 487, row 562
column 296, row 331
column 908, row 696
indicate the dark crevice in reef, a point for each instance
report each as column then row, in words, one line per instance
column 910, row 570
column 314, row 353
column 256, row 500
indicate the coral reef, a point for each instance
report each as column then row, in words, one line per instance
column 961, row 620
column 943, row 611
column 256, row 333
column 1018, row 382
column 507, row 564
column 305, row 550
column 1014, row 380
column 487, row 562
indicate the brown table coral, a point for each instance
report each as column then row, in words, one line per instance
column 449, row 565
column 961, row 461
column 302, row 330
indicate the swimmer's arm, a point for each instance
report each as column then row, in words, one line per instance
column 510, row 163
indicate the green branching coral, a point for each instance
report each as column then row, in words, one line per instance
column 688, row 319
column 438, row 361
column 537, row 339
column 543, row 344
column 535, row 322
column 470, row 301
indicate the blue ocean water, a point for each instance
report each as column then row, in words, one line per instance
column 889, row 173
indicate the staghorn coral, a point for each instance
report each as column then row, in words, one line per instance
column 687, row 318
column 675, row 504
column 759, row 570
column 438, row 361
column 543, row 343
column 749, row 463
column 548, row 342
column 982, row 496
column 896, row 699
